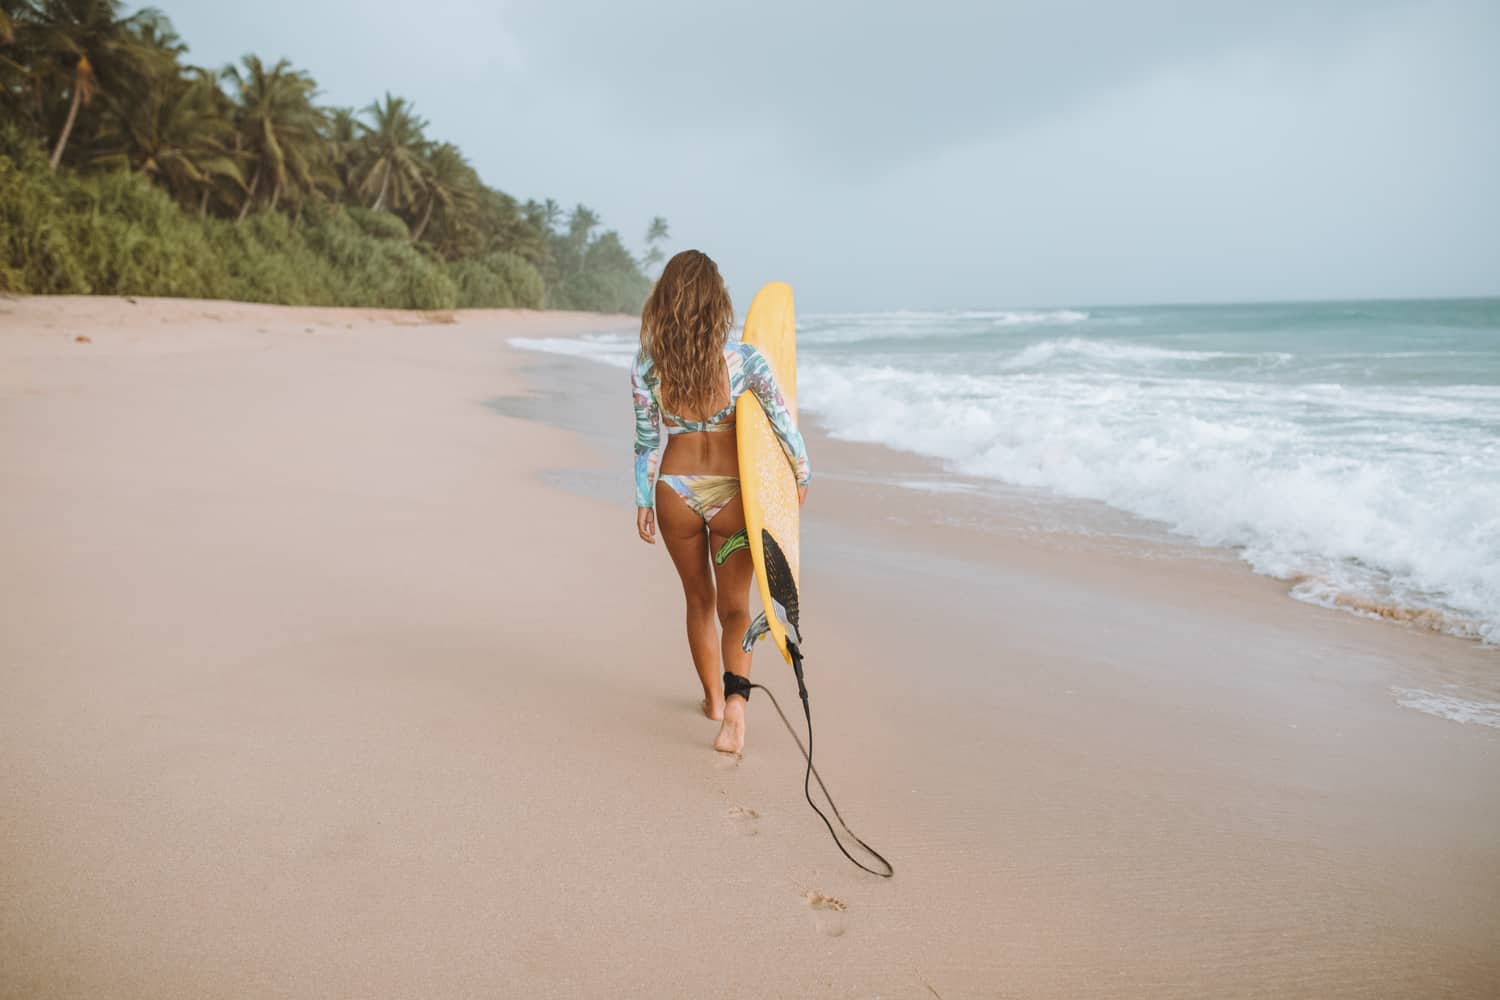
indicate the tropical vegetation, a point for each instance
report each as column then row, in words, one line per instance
column 126, row 170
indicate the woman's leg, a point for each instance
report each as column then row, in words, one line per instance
column 687, row 544
column 734, row 576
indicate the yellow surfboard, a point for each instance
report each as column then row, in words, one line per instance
column 767, row 483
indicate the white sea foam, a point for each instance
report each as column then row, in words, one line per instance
column 1054, row 317
column 1404, row 515
column 1446, row 706
column 852, row 328
column 897, row 316
column 610, row 349
column 938, row 486
column 1047, row 352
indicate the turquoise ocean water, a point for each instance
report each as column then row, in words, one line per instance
column 1351, row 448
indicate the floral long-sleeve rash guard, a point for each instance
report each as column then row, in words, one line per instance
column 748, row 369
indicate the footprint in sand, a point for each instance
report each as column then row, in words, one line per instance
column 727, row 761
column 828, row 913
column 748, row 820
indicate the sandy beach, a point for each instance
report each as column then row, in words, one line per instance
column 331, row 665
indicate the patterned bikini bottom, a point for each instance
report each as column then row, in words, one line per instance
column 706, row 495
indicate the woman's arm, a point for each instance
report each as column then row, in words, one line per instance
column 760, row 380
column 647, row 438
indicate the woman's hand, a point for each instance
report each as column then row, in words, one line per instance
column 645, row 524
column 801, row 495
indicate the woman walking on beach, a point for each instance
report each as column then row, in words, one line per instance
column 687, row 377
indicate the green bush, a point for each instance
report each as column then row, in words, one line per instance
column 132, row 239
column 36, row 240
column 269, row 261
column 381, row 225
column 479, row 286
column 596, row 291
column 524, row 280
column 499, row 280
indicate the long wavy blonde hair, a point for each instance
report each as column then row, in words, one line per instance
column 684, row 327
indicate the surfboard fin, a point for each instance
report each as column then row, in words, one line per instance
column 759, row 629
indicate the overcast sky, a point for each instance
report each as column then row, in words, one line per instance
column 960, row 155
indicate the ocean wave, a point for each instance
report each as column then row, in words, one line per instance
column 617, row 350
column 1045, row 351
column 938, row 486
column 1056, row 317
column 1356, row 593
column 899, row 316
column 854, row 328
column 1447, row 706
column 1462, row 392
column 1387, row 515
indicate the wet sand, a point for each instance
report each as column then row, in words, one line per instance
column 330, row 665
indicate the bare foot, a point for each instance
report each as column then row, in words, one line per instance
column 731, row 737
column 713, row 708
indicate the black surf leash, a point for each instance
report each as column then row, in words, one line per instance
column 812, row 772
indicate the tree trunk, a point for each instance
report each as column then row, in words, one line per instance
column 385, row 182
column 275, row 195
column 426, row 217
column 203, row 204
column 249, row 196
column 62, row 140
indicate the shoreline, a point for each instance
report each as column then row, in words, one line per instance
column 996, row 524
column 323, row 670
column 1114, row 428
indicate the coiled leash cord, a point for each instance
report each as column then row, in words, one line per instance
column 812, row 772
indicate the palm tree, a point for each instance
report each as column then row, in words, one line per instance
column 448, row 181
column 179, row 136
column 568, row 247
column 394, row 144
column 94, row 47
column 279, row 129
column 655, row 234
column 522, row 229
column 14, row 65
column 160, row 45
column 341, row 131
column 581, row 223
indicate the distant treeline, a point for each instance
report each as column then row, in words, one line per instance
column 125, row 171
